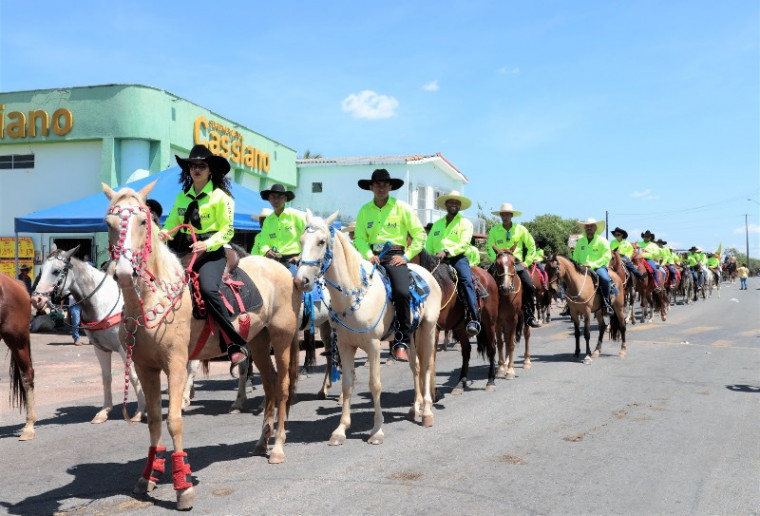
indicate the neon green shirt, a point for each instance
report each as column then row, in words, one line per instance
column 281, row 234
column 539, row 256
column 692, row 259
column 216, row 210
column 473, row 256
column 649, row 250
column 624, row 247
column 454, row 238
column 713, row 262
column 594, row 254
column 518, row 236
column 391, row 223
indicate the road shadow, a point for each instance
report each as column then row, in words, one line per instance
column 744, row 388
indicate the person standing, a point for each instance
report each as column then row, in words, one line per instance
column 593, row 251
column 280, row 237
column 23, row 276
column 743, row 273
column 515, row 238
column 386, row 219
column 205, row 202
column 449, row 240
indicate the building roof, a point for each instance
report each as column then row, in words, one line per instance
column 408, row 159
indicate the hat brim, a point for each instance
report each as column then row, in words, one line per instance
column 514, row 213
column 600, row 224
column 217, row 164
column 624, row 234
column 396, row 183
column 288, row 194
column 466, row 203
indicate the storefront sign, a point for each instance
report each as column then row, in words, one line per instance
column 227, row 142
column 17, row 124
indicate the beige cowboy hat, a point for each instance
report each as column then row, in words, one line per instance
column 591, row 220
column 454, row 194
column 507, row 207
column 265, row 212
column 351, row 227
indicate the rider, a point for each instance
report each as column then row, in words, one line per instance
column 280, row 237
column 265, row 212
column 386, row 219
column 625, row 250
column 667, row 260
column 206, row 203
column 713, row 263
column 593, row 251
column 510, row 236
column 651, row 253
column 695, row 259
column 449, row 240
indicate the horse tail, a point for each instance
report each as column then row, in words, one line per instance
column 17, row 393
column 482, row 342
column 615, row 328
column 205, row 367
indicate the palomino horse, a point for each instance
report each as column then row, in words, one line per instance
column 584, row 300
column 363, row 317
column 15, row 316
column 160, row 333
column 453, row 317
column 543, row 297
column 510, row 322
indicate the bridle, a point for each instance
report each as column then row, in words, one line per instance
column 511, row 275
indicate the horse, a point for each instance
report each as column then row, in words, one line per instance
column 15, row 316
column 711, row 280
column 510, row 321
column 584, row 300
column 629, row 283
column 453, row 316
column 651, row 298
column 362, row 317
column 543, row 298
column 160, row 333
column 686, row 288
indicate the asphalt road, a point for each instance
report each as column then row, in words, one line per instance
column 673, row 428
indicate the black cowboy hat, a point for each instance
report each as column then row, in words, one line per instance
column 695, row 249
column 618, row 231
column 280, row 189
column 660, row 241
column 25, row 268
column 380, row 174
column 647, row 233
column 217, row 164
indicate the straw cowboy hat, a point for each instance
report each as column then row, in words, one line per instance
column 648, row 233
column 381, row 175
column 351, row 227
column 506, row 207
column 280, row 189
column 265, row 212
column 591, row 220
column 441, row 202
column 617, row 231
column 216, row 164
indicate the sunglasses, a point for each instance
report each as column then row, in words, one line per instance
column 199, row 166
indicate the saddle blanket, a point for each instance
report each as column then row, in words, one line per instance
column 239, row 294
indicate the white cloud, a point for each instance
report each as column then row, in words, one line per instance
column 646, row 195
column 370, row 105
column 505, row 70
column 751, row 229
column 431, row 86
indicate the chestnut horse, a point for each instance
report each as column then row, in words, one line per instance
column 651, row 298
column 584, row 300
column 510, row 322
column 543, row 297
column 15, row 316
column 160, row 333
column 629, row 286
column 453, row 317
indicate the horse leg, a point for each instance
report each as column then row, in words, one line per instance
column 587, row 336
column 104, row 358
column 22, row 375
column 414, row 365
column 464, row 373
column 183, row 486
column 260, row 352
column 188, row 392
column 375, row 387
column 501, row 346
column 310, row 357
column 577, row 328
column 347, row 354
column 150, row 379
column 602, row 329
column 510, row 374
column 285, row 344
column 526, row 334
column 240, row 399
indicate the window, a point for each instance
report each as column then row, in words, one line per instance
column 12, row 161
column 316, row 188
column 421, row 197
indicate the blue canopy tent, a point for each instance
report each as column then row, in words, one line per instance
column 87, row 215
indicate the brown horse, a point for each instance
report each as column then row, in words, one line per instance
column 584, row 299
column 453, row 316
column 160, row 333
column 629, row 286
column 510, row 322
column 543, row 298
column 651, row 298
column 15, row 315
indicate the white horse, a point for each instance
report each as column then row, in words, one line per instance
column 710, row 282
column 362, row 317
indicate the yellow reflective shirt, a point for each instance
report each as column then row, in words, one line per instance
column 391, row 223
column 281, row 234
column 216, row 210
column 454, row 237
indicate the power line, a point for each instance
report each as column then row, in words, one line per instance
column 685, row 210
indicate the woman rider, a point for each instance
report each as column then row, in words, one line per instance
column 206, row 203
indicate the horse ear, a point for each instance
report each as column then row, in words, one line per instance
column 147, row 189
column 309, row 216
column 331, row 218
column 53, row 249
column 108, row 191
column 67, row 256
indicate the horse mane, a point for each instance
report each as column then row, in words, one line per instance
column 350, row 255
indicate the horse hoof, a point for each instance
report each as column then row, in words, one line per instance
column 456, row 391
column 185, row 403
column 143, row 486
column 276, row 458
column 412, row 414
column 99, row 418
column 185, row 499
column 587, row 360
column 138, row 417
column 595, row 354
column 376, row 439
column 490, row 387
column 508, row 376
column 622, row 353
column 427, row 421
column 260, row 450
column 26, row 435
column 321, row 395
column 527, row 365
column 257, row 411
column 234, row 410
column 336, row 440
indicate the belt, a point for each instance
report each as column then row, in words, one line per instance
column 377, row 248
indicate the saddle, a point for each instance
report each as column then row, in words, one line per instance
column 239, row 295
column 480, row 289
column 419, row 291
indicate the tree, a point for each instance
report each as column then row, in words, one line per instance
column 308, row 155
column 553, row 231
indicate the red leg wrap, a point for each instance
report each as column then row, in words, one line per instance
column 181, row 471
column 155, row 463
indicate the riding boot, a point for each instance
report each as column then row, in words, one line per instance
column 473, row 327
column 530, row 319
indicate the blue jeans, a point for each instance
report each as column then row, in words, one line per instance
column 630, row 266
column 672, row 269
column 75, row 313
column 743, row 283
column 656, row 272
column 604, row 282
column 462, row 267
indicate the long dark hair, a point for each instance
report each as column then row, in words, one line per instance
column 220, row 181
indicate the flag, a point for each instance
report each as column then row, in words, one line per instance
column 720, row 248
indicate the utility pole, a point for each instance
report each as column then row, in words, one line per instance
column 746, row 234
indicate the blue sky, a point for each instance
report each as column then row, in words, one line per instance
column 648, row 111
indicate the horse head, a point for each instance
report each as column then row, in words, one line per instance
column 54, row 279
column 554, row 272
column 504, row 272
column 316, row 250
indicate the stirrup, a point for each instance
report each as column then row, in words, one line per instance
column 473, row 328
column 399, row 351
column 242, row 350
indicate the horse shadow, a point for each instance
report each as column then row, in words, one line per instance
column 95, row 481
column 744, row 388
